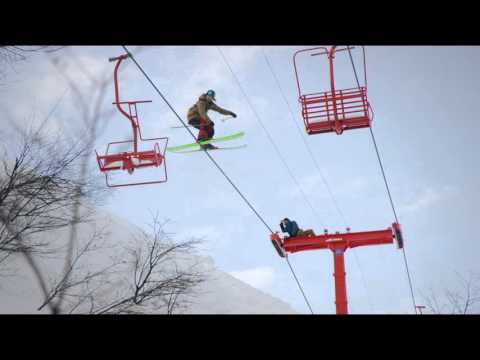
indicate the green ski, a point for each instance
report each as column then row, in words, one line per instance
column 216, row 149
column 218, row 139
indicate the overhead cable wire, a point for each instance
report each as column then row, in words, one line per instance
column 213, row 161
column 277, row 152
column 274, row 145
column 387, row 188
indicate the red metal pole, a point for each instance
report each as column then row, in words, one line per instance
column 340, row 282
column 331, row 56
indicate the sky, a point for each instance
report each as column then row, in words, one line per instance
column 424, row 99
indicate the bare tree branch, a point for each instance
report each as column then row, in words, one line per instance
column 156, row 274
column 459, row 301
column 43, row 188
column 11, row 55
column 36, row 191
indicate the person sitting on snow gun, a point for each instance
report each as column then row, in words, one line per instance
column 291, row 227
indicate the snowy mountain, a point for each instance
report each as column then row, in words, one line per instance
column 220, row 293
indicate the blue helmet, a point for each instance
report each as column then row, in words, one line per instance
column 211, row 93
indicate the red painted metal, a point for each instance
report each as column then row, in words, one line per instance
column 334, row 110
column 341, row 302
column 277, row 242
column 134, row 159
column 338, row 243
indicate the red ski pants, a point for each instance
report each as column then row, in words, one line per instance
column 206, row 129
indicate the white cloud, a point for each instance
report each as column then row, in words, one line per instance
column 309, row 185
column 315, row 184
column 259, row 277
column 244, row 55
column 40, row 87
column 427, row 199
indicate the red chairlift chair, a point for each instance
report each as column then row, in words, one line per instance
column 133, row 159
column 334, row 110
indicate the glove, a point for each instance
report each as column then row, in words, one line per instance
column 233, row 114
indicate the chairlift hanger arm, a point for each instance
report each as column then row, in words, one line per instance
column 134, row 158
column 117, row 102
column 121, row 57
column 132, row 102
column 332, row 50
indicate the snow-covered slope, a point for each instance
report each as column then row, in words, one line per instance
column 224, row 294
column 221, row 293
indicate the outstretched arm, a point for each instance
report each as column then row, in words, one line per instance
column 222, row 111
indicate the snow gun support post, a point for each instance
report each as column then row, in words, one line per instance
column 338, row 243
column 131, row 160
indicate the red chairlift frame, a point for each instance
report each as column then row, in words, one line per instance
column 131, row 160
column 338, row 243
column 334, row 110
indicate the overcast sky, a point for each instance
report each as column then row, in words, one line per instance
column 425, row 101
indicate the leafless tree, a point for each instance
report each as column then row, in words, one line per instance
column 155, row 274
column 92, row 114
column 39, row 185
column 462, row 300
column 48, row 183
column 76, row 283
column 161, row 281
column 45, row 193
column 11, row 55
column 37, row 190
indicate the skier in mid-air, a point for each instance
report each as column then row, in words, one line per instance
column 198, row 118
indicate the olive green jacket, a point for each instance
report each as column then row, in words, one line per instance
column 202, row 106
